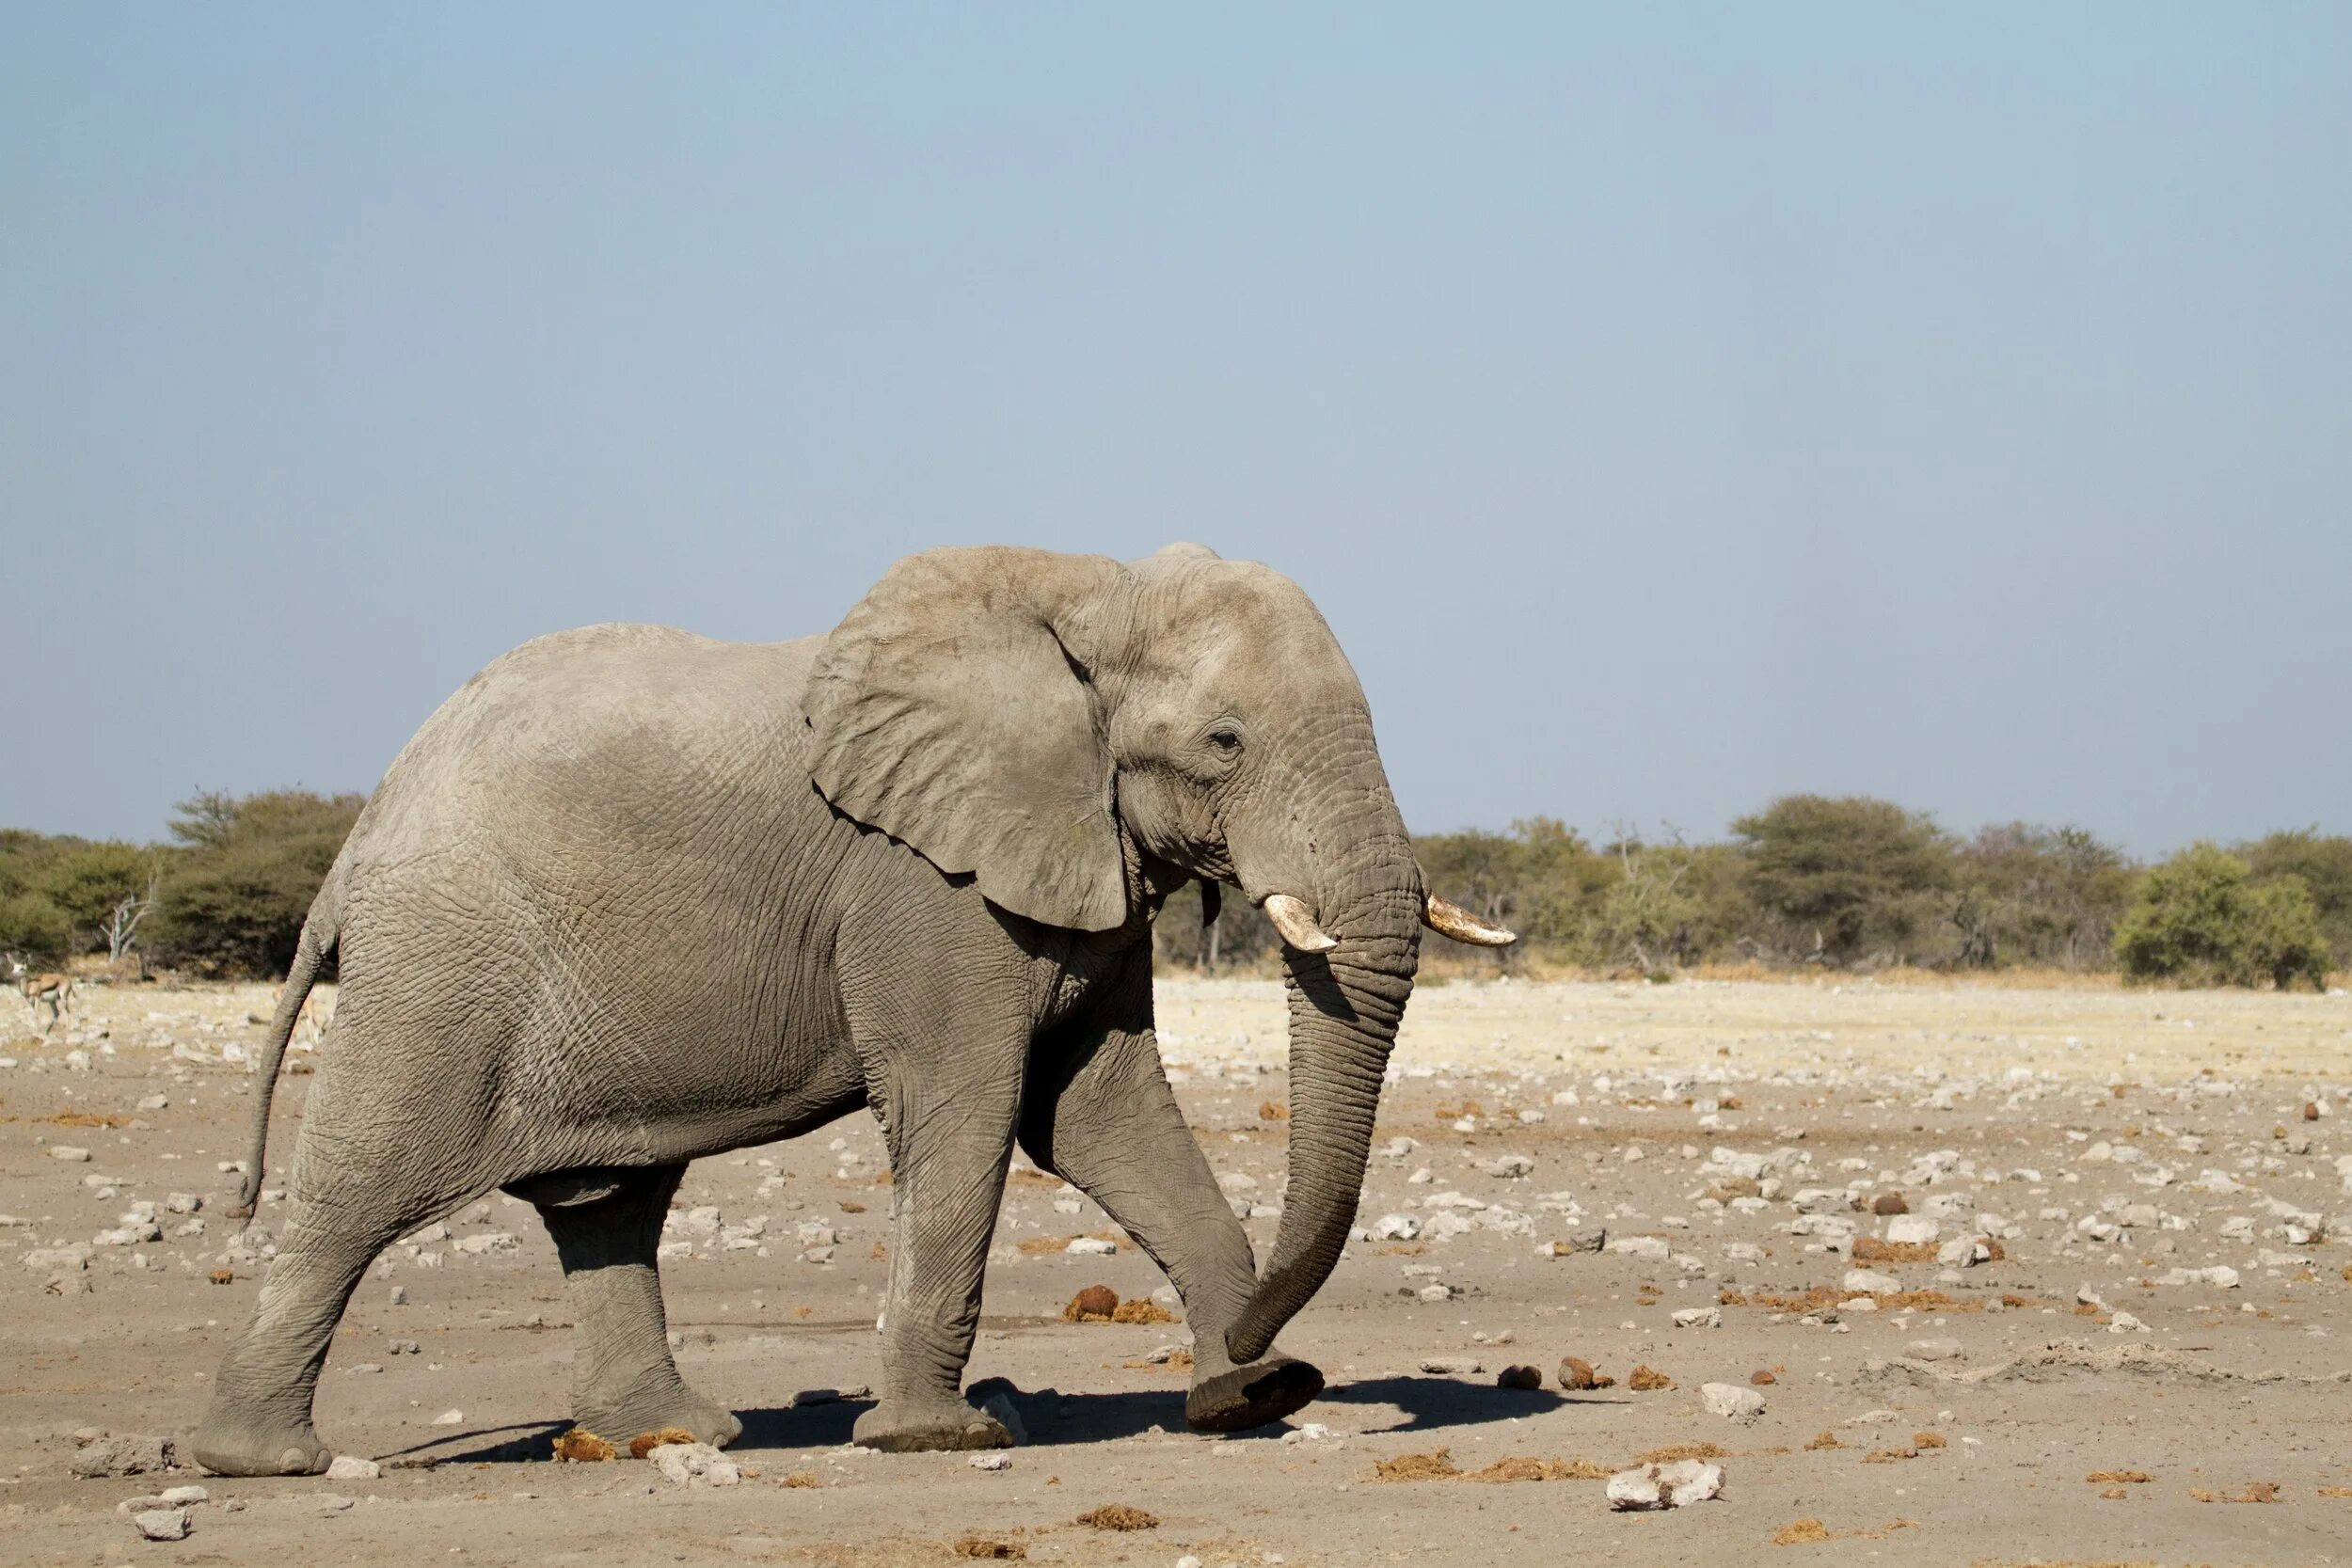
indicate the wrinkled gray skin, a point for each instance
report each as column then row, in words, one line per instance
column 633, row 897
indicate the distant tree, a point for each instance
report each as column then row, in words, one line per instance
column 1241, row 937
column 2033, row 894
column 1647, row 918
column 2201, row 919
column 2324, row 865
column 103, row 891
column 1853, row 876
column 1542, row 878
column 233, row 901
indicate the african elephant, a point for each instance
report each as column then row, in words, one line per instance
column 633, row 897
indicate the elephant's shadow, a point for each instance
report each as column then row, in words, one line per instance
column 1053, row 1420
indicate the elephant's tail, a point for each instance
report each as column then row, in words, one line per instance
column 321, row 929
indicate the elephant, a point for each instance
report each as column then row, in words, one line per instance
column 633, row 897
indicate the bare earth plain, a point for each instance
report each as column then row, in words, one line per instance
column 2113, row 1325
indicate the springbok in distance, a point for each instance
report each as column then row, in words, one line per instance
column 51, row 988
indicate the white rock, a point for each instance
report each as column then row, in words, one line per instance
column 163, row 1524
column 695, row 1465
column 1728, row 1400
column 1395, row 1228
column 1699, row 1317
column 991, row 1461
column 1654, row 1486
column 350, row 1466
column 1870, row 1282
column 489, row 1241
column 81, row 1156
column 1092, row 1246
column 1640, row 1246
column 1912, row 1229
column 1934, row 1349
column 449, row 1419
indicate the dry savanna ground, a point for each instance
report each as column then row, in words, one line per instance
column 2011, row 1273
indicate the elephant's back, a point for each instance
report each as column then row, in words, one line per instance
column 614, row 712
column 579, row 759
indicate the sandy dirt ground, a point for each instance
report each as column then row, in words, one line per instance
column 2108, row 1325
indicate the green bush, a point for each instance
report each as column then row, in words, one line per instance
column 2201, row 919
column 33, row 929
column 2324, row 865
column 234, row 900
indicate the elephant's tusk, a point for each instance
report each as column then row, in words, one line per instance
column 1297, row 927
column 1458, row 922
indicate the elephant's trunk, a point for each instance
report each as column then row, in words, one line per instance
column 1344, row 1007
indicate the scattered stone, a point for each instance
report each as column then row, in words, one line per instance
column 1577, row 1376
column 163, row 1524
column 449, row 1419
column 695, row 1465
column 991, row 1461
column 74, row 1155
column 106, row 1456
column 1524, row 1378
column 1453, row 1366
column 1934, row 1349
column 350, row 1466
column 1890, row 1203
column 1659, row 1486
column 1699, row 1317
column 1092, row 1247
column 1730, row 1401
column 1870, row 1282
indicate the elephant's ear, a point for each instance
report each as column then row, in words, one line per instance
column 953, row 710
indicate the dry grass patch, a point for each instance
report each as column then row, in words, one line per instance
column 2129, row 1478
column 1527, row 1467
column 1803, row 1532
column 582, row 1446
column 981, row 1547
column 1417, row 1466
column 1118, row 1516
column 1869, row 1249
column 802, row 1481
column 1675, row 1452
column 645, row 1442
column 1826, row 1440
column 1646, row 1379
column 2253, row 1492
column 1141, row 1310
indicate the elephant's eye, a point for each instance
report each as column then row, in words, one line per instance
column 1225, row 740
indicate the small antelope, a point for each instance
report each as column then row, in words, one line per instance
column 53, row 989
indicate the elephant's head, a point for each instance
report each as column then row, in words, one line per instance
column 1044, row 720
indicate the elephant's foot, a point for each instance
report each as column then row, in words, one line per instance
column 677, row 1406
column 1245, row 1396
column 905, row 1426
column 229, row 1446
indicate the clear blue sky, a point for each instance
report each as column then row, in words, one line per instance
column 1954, row 405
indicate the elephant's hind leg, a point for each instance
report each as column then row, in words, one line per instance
column 259, row 1423
column 624, row 1382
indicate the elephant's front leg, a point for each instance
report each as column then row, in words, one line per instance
column 1100, row 1115
column 948, row 1097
